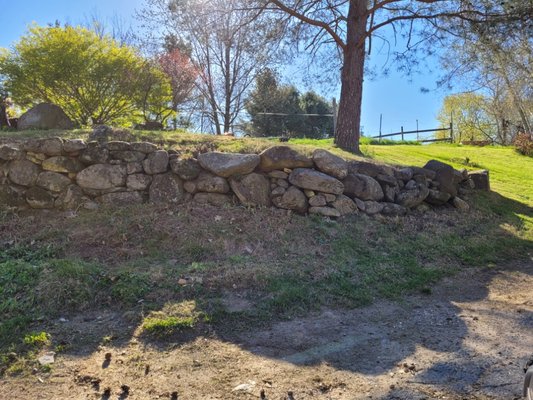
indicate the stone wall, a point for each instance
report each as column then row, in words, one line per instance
column 72, row 174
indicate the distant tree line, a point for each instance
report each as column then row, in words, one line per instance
column 280, row 110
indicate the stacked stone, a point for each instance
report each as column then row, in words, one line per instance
column 69, row 174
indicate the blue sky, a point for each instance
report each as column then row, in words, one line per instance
column 400, row 101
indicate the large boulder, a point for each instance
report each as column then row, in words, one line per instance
column 23, row 172
column 252, row 190
column 363, row 187
column 293, row 199
column 228, row 164
column 314, row 180
column 166, row 188
column 444, row 175
column 330, row 164
column 102, row 177
column 45, row 116
column 281, row 157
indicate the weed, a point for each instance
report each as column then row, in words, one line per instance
column 40, row 339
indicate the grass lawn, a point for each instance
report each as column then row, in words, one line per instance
column 141, row 260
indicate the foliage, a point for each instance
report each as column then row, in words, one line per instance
column 470, row 118
column 268, row 103
column 524, row 143
column 228, row 45
column 94, row 79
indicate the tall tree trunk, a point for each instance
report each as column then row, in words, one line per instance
column 227, row 88
column 4, row 121
column 349, row 117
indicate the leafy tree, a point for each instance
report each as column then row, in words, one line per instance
column 350, row 26
column 470, row 118
column 229, row 45
column 93, row 78
column 276, row 109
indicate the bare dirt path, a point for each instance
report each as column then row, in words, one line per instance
column 468, row 339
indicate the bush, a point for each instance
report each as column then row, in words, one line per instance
column 524, row 143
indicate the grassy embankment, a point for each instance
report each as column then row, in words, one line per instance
column 145, row 261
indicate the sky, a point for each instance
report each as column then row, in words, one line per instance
column 397, row 98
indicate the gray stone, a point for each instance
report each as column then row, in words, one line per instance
column 481, row 179
column 62, row 164
column 36, row 158
column 211, row 184
column 74, row 145
column 166, row 188
column 9, row 153
column 228, row 164
column 138, row 181
column 373, row 207
column 429, row 174
column 134, row 168
column 313, row 180
column 363, row 187
column 187, row 169
column 390, row 193
column 325, row 211
column 437, row 198
column 460, row 204
column 117, row 145
column 445, row 175
column 39, row 198
column 369, row 169
column 71, row 199
column 345, row 205
column 144, row 147
column 360, row 204
column 156, row 163
column 330, row 164
column 293, row 199
column 252, row 189
column 128, row 156
column 278, row 175
column 278, row 191
column 317, row 201
column 23, row 172
column 283, row 183
column 281, row 157
column 50, row 147
column 413, row 197
column 214, row 199
column 393, row 210
column 44, row 116
column 53, row 181
column 404, row 174
column 121, row 198
column 12, row 196
column 102, row 177
column 94, row 154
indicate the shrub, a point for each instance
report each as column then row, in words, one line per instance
column 524, row 143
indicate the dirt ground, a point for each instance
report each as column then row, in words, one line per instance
column 468, row 339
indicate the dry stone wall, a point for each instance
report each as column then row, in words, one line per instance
column 72, row 174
